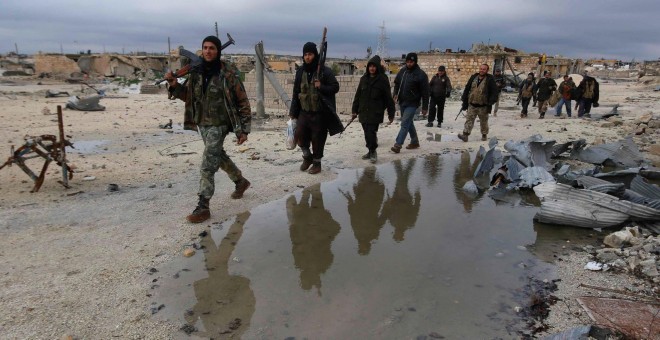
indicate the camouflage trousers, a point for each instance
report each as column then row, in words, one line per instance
column 214, row 158
column 543, row 107
column 472, row 114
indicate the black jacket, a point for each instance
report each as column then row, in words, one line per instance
column 491, row 90
column 373, row 96
column 329, row 87
column 544, row 88
column 583, row 85
column 411, row 86
column 440, row 86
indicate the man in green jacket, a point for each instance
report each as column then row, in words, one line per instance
column 372, row 97
column 216, row 104
column 478, row 97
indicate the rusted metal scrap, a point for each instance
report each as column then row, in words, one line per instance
column 47, row 147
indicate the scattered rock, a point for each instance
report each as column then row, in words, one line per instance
column 89, row 178
column 189, row 252
column 188, row 329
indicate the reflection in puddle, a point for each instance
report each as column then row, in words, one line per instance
column 225, row 302
column 312, row 231
column 388, row 252
column 439, row 137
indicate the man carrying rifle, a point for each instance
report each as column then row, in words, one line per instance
column 525, row 93
column 313, row 104
column 478, row 97
column 216, row 104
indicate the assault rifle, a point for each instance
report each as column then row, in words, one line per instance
column 323, row 50
column 195, row 60
column 459, row 113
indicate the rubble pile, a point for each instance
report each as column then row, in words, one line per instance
column 647, row 130
column 631, row 250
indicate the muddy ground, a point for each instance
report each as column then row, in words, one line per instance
column 76, row 261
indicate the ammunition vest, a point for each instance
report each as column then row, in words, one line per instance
column 210, row 106
column 478, row 92
column 589, row 89
column 309, row 95
column 527, row 90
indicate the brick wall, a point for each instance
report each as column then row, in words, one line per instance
column 347, row 87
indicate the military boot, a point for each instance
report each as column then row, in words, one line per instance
column 201, row 213
column 366, row 155
column 315, row 169
column 305, row 164
column 484, row 137
column 241, row 185
column 463, row 137
column 373, row 157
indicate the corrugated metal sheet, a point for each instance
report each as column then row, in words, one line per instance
column 654, row 226
column 519, row 151
column 649, row 190
column 596, row 184
column 526, row 154
column 534, row 175
column 514, row 168
column 624, row 153
column 650, row 173
column 634, row 197
column 563, row 204
column 486, row 164
column 541, row 153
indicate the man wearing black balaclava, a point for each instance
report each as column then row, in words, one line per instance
column 216, row 104
column 313, row 104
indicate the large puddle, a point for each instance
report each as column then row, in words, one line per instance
column 397, row 251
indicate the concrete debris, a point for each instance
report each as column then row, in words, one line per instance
column 621, row 237
column 90, row 103
column 471, row 188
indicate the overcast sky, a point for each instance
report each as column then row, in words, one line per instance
column 581, row 29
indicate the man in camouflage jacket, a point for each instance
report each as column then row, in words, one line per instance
column 216, row 104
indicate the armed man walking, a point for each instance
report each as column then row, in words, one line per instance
column 525, row 93
column 440, row 87
column 216, row 104
column 410, row 86
column 371, row 99
column 544, row 89
column 589, row 95
column 313, row 104
column 478, row 97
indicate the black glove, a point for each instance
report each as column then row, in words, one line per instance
column 464, row 106
column 596, row 105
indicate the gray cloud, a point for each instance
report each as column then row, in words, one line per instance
column 589, row 28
